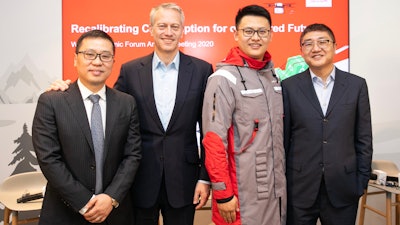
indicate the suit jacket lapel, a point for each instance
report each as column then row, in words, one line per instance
column 146, row 83
column 308, row 90
column 339, row 88
column 111, row 117
column 184, row 79
column 74, row 100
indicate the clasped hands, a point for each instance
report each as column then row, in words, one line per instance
column 98, row 208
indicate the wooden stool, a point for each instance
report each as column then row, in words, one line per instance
column 392, row 171
column 388, row 191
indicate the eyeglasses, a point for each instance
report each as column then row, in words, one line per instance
column 90, row 55
column 249, row 32
column 323, row 44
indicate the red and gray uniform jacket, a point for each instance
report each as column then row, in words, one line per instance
column 243, row 139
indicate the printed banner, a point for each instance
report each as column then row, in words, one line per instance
column 208, row 32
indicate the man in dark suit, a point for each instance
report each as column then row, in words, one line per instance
column 328, row 137
column 62, row 137
column 169, row 87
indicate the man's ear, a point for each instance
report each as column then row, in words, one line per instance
column 75, row 59
column 235, row 35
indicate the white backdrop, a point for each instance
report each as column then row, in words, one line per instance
column 374, row 54
column 31, row 59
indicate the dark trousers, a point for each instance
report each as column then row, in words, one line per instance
column 322, row 209
column 171, row 216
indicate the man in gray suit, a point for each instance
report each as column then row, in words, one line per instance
column 328, row 136
column 62, row 137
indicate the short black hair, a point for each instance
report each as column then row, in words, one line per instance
column 253, row 10
column 317, row 27
column 94, row 34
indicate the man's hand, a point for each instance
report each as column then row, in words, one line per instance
column 59, row 85
column 228, row 210
column 99, row 208
column 201, row 194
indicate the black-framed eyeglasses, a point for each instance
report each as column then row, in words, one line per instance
column 249, row 32
column 321, row 43
column 91, row 55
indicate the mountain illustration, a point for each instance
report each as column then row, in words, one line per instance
column 23, row 83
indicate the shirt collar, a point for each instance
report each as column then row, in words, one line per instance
column 85, row 92
column 330, row 77
column 157, row 63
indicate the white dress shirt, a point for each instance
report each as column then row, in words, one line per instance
column 323, row 89
column 85, row 92
column 165, row 82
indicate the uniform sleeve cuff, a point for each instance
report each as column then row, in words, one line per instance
column 224, row 200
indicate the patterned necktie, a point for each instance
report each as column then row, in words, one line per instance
column 98, row 141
